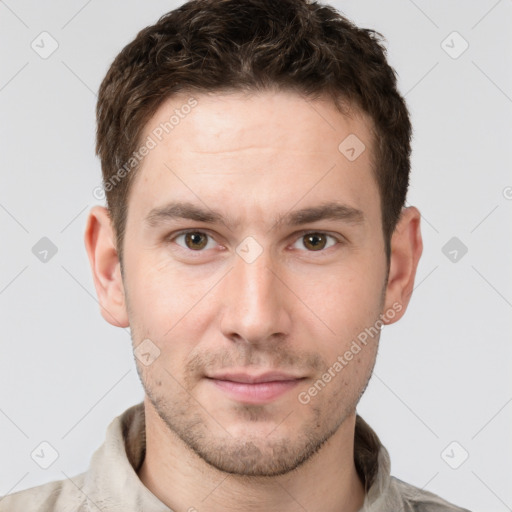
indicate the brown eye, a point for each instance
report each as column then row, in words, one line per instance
column 315, row 241
column 196, row 240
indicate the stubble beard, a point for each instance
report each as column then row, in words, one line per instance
column 269, row 455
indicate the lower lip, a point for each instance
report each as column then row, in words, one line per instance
column 255, row 393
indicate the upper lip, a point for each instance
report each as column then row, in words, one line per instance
column 254, row 379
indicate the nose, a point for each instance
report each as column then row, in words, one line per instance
column 254, row 299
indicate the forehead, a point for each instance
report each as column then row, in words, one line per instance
column 213, row 122
column 254, row 153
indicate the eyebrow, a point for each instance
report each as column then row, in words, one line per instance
column 186, row 210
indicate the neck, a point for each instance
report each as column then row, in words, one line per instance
column 182, row 480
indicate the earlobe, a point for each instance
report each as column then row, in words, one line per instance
column 406, row 249
column 100, row 245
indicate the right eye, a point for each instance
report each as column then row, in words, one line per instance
column 194, row 240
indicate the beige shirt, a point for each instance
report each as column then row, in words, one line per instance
column 111, row 483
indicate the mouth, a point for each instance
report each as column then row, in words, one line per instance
column 254, row 389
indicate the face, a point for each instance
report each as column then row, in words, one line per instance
column 253, row 258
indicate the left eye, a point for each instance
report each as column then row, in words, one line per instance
column 315, row 241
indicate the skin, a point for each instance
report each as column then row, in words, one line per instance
column 295, row 308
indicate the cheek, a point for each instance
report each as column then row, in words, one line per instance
column 346, row 301
column 167, row 307
column 349, row 345
column 160, row 294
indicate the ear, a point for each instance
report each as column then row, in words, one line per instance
column 406, row 249
column 106, row 269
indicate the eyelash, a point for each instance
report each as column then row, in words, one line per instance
column 302, row 234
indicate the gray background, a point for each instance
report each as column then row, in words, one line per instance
column 443, row 372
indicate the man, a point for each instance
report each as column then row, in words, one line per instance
column 255, row 157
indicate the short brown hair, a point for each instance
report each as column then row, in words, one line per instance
column 251, row 46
